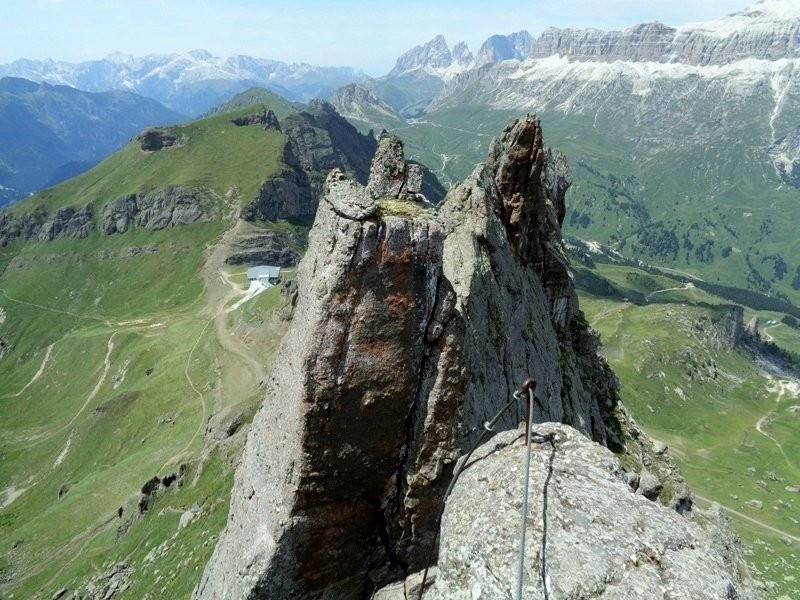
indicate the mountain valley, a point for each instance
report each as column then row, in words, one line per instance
column 168, row 429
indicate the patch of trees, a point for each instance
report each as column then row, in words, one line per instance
column 754, row 278
column 657, row 240
column 582, row 220
column 791, row 321
column 703, row 252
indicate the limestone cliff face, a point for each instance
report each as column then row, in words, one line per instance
column 412, row 328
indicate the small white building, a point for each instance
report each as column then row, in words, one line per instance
column 265, row 275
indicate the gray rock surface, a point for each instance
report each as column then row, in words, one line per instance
column 65, row 222
column 154, row 139
column 354, row 101
column 158, row 209
column 591, row 534
column 316, row 143
column 756, row 32
column 412, row 327
column 434, row 54
column 649, row 485
column 266, row 248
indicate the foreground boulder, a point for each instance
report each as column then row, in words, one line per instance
column 587, row 532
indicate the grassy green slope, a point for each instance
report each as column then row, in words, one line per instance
column 215, row 155
column 706, row 399
column 126, row 364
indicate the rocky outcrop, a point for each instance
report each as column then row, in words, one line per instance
column 65, row 222
column 316, row 143
column 588, row 534
column 391, row 176
column 266, row 119
column 412, row 327
column 159, row 209
column 354, row 101
column 267, row 247
column 785, row 156
column 154, row 139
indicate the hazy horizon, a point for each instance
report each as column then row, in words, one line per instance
column 353, row 33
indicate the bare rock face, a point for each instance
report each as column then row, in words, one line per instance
column 588, row 534
column 316, row 143
column 412, row 327
column 266, row 248
column 158, row 209
column 154, row 139
column 390, row 176
column 65, row 222
column 266, row 119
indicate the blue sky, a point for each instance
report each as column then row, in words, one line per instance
column 366, row 34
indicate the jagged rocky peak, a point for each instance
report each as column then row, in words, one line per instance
column 517, row 46
column 413, row 326
column 390, row 175
column 434, row 54
column 461, row 54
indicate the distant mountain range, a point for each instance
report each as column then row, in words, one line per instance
column 50, row 133
column 684, row 141
column 190, row 83
column 667, row 128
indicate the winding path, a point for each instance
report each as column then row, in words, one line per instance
column 687, row 286
column 173, row 459
column 35, row 375
column 749, row 518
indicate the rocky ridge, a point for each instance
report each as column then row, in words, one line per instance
column 317, row 141
column 767, row 30
column 158, row 209
column 412, row 327
column 354, row 101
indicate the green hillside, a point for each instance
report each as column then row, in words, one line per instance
column 259, row 96
column 730, row 425
column 125, row 357
column 212, row 154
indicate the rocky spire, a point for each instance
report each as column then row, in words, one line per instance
column 412, row 327
column 390, row 175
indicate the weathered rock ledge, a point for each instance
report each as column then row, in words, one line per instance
column 592, row 536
